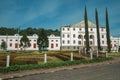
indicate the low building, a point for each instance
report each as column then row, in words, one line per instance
column 115, row 41
column 13, row 42
column 54, row 42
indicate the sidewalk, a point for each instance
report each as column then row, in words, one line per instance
column 5, row 76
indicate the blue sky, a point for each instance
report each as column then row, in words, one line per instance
column 52, row 14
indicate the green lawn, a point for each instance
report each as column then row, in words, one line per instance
column 34, row 57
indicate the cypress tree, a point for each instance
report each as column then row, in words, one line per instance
column 86, row 29
column 97, row 28
column 107, row 32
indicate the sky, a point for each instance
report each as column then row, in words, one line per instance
column 52, row 14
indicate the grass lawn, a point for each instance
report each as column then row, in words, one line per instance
column 34, row 57
column 114, row 54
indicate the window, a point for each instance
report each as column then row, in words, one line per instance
column 102, row 36
column 91, row 36
column 68, row 41
column 29, row 44
column 73, row 35
column 34, row 40
column 74, row 42
column 34, row 45
column 56, row 40
column 79, row 36
column 10, row 39
column 63, row 35
column 63, row 42
column 73, row 29
column 79, row 42
column 51, row 40
column 16, row 45
column 102, row 29
column 91, row 29
column 90, row 42
column 63, row 29
column 16, row 40
column 80, row 29
column 56, row 45
column 52, row 45
column 10, row 44
column 68, row 29
column 102, row 42
column 68, row 35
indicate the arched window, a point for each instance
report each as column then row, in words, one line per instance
column 68, row 41
column 79, row 42
column 91, row 36
column 52, row 45
column 68, row 35
column 73, row 35
column 74, row 42
column 79, row 36
column 68, row 29
column 63, row 42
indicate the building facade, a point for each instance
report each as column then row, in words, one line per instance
column 13, row 42
column 115, row 41
column 73, row 36
column 54, row 42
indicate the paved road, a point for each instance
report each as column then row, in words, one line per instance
column 102, row 72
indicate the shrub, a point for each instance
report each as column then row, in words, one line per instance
column 49, row 65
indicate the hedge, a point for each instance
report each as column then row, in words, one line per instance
column 49, row 65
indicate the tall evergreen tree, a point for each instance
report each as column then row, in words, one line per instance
column 86, row 29
column 108, row 32
column 97, row 28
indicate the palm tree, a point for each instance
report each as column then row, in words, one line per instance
column 108, row 32
column 97, row 26
column 86, row 30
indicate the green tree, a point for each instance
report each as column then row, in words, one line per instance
column 3, row 45
column 108, row 32
column 86, row 29
column 42, row 40
column 97, row 26
column 24, row 42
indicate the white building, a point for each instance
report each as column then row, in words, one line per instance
column 54, row 42
column 13, row 42
column 73, row 36
column 115, row 41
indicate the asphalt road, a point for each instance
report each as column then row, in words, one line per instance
column 102, row 72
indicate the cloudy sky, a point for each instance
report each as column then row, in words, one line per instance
column 52, row 14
